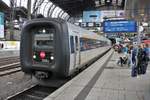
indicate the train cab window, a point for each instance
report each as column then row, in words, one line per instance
column 43, row 45
column 43, row 36
column 72, row 44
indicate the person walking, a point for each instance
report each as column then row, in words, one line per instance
column 145, row 58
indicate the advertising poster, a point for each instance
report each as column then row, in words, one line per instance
column 1, row 25
column 98, row 16
column 112, row 14
column 91, row 16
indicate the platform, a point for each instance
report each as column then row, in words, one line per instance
column 9, row 53
column 105, row 82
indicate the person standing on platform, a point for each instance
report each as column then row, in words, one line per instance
column 125, row 49
column 130, row 48
column 133, row 61
column 126, row 54
column 142, row 59
column 145, row 58
column 139, row 59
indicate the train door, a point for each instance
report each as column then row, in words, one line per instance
column 74, row 57
column 77, row 51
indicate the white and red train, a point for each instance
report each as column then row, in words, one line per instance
column 53, row 49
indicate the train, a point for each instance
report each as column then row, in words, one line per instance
column 53, row 49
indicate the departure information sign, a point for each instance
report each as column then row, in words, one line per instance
column 118, row 26
column 1, row 25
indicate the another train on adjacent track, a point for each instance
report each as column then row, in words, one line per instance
column 53, row 49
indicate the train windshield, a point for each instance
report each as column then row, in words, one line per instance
column 43, row 45
column 43, row 36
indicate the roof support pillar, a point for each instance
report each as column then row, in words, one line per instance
column 29, row 9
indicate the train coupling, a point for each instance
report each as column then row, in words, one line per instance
column 41, row 75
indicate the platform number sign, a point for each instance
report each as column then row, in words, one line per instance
column 1, row 25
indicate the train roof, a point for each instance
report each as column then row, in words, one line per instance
column 81, row 31
column 58, row 20
column 85, row 33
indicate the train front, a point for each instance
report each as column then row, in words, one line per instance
column 42, row 51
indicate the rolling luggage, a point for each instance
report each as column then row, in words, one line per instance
column 144, row 67
column 134, row 71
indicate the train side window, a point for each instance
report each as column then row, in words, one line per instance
column 84, row 44
column 72, row 44
column 76, row 41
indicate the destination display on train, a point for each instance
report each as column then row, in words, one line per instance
column 117, row 26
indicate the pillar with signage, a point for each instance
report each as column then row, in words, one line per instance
column 140, row 30
column 1, row 25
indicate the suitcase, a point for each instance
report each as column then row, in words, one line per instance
column 134, row 71
column 144, row 67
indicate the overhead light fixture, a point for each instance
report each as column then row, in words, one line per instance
column 142, row 14
column 97, row 3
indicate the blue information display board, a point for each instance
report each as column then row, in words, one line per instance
column 117, row 26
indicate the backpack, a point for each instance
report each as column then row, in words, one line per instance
column 146, row 53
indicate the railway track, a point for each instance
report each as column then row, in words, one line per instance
column 10, row 69
column 9, row 57
column 35, row 92
column 9, row 60
column 9, row 65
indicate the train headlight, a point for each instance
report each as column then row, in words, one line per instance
column 44, row 31
column 52, row 58
column 34, row 56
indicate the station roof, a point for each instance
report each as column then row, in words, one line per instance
column 20, row 11
column 138, row 9
column 74, row 7
column 65, row 8
column 3, row 6
column 5, row 9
